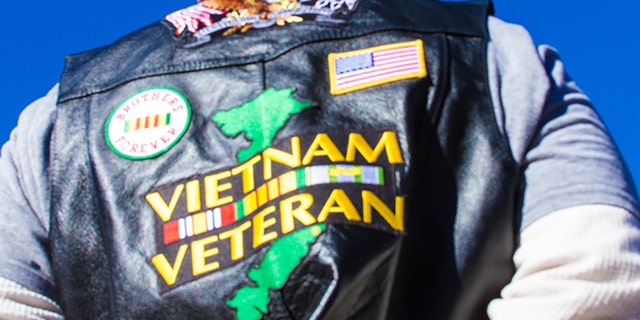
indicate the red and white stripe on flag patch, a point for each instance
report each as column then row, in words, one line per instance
column 356, row 70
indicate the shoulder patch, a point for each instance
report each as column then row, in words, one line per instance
column 148, row 123
column 361, row 69
column 209, row 18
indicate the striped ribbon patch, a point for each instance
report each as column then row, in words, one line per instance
column 159, row 120
column 356, row 70
column 212, row 219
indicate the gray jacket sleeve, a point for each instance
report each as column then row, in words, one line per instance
column 24, row 195
column 579, row 256
column 566, row 153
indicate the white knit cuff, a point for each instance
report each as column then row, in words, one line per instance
column 578, row 263
column 18, row 302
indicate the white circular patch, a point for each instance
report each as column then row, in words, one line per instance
column 148, row 123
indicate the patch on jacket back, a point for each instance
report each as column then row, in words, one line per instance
column 281, row 195
column 212, row 17
column 148, row 123
column 366, row 68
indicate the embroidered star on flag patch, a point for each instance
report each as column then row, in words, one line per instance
column 360, row 69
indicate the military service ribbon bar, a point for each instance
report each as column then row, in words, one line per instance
column 148, row 122
column 298, row 179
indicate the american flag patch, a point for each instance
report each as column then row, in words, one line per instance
column 355, row 70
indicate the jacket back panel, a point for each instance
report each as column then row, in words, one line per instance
column 267, row 192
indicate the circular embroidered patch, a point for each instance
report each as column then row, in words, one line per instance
column 148, row 123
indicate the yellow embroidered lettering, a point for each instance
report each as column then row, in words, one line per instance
column 339, row 202
column 388, row 141
column 193, row 196
column 199, row 255
column 300, row 212
column 162, row 209
column 291, row 160
column 371, row 201
column 213, row 187
column 170, row 273
column 247, row 170
column 322, row 145
column 236, row 240
column 260, row 224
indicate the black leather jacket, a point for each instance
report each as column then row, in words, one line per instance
column 235, row 174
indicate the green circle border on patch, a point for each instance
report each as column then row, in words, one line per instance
column 118, row 121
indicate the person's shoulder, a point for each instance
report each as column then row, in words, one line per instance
column 499, row 28
column 134, row 55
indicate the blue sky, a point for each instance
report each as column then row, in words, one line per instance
column 598, row 43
